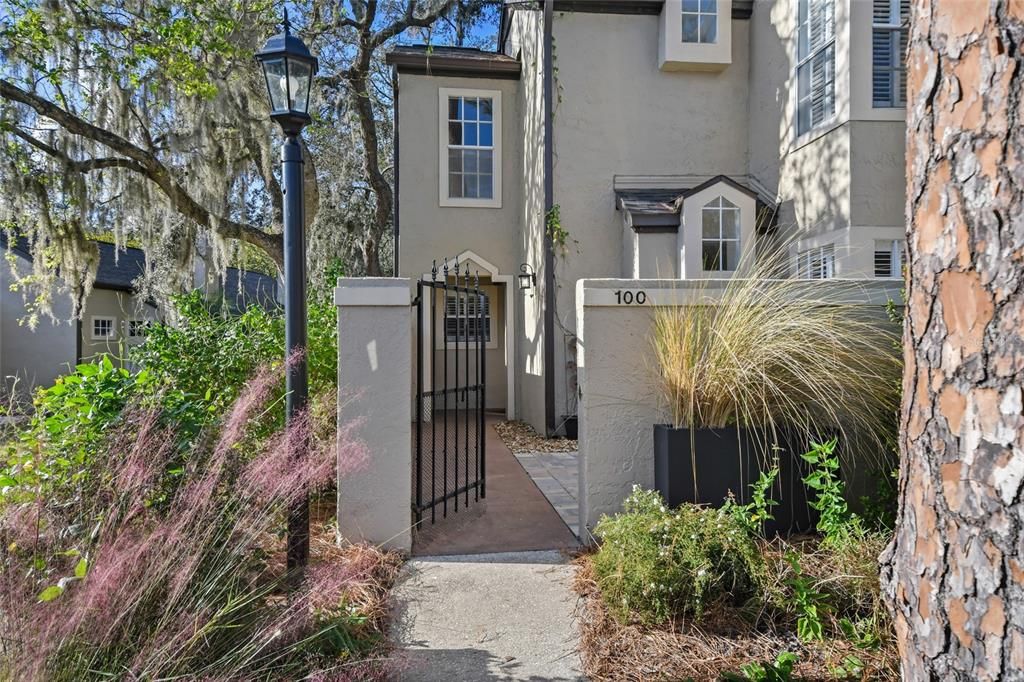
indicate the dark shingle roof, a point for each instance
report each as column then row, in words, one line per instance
column 119, row 268
column 649, row 200
column 243, row 289
column 445, row 60
column 670, row 199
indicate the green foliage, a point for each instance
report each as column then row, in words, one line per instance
column 655, row 564
column 559, row 235
column 209, row 353
column 779, row 670
column 836, row 522
column 810, row 604
column 67, row 425
column 755, row 513
column 879, row 508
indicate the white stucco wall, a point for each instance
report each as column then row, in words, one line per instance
column 620, row 401
column 618, row 114
column 30, row 358
column 525, row 40
column 375, row 328
column 122, row 307
column 847, row 174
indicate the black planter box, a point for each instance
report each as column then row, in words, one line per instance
column 572, row 426
column 729, row 460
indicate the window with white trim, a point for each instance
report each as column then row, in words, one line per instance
column 816, row 64
column 890, row 258
column 889, row 28
column 462, row 319
column 700, row 21
column 817, row 263
column 720, row 236
column 470, row 147
column 136, row 329
column 103, row 327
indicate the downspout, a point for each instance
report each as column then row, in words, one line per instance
column 549, row 202
column 394, row 208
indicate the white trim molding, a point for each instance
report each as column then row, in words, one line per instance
column 92, row 328
column 444, row 198
column 509, row 281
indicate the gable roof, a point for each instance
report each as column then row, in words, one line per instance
column 436, row 60
column 658, row 208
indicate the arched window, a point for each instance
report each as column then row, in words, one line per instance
column 720, row 236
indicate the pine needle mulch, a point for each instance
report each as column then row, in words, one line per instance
column 723, row 643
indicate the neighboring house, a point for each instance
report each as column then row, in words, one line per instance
column 114, row 318
column 667, row 138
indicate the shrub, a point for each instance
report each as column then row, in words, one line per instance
column 51, row 455
column 189, row 588
column 655, row 564
column 768, row 353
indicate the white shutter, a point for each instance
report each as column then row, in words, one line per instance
column 816, row 64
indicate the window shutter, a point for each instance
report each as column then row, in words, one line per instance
column 890, row 19
column 816, row 73
column 883, row 263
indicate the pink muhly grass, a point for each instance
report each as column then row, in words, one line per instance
column 187, row 586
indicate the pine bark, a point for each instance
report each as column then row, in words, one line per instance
column 954, row 575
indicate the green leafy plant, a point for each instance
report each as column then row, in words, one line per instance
column 836, row 522
column 556, row 232
column 779, row 670
column 755, row 513
column 810, row 604
column 655, row 564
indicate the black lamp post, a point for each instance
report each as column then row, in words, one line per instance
column 289, row 68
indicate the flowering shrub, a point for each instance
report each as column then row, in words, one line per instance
column 141, row 581
column 655, row 564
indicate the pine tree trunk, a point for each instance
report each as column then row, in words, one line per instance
column 954, row 575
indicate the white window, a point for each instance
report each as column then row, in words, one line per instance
column 470, row 148
column 816, row 64
column 700, row 21
column 103, row 328
column 817, row 263
column 462, row 319
column 720, row 236
column 889, row 258
column 136, row 329
column 890, row 19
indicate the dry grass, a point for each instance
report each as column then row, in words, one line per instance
column 369, row 592
column 723, row 642
column 764, row 352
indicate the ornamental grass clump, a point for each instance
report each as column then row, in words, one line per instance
column 171, row 570
column 765, row 353
column 657, row 564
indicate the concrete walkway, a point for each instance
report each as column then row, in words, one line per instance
column 487, row 617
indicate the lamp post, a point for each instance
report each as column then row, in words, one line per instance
column 288, row 68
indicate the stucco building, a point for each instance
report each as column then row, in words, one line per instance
column 114, row 316
column 646, row 139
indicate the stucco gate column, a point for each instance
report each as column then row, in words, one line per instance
column 375, row 324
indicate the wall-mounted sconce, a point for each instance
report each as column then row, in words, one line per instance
column 527, row 277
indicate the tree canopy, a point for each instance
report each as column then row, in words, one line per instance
column 147, row 121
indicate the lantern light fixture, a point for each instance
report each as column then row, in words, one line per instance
column 527, row 277
column 288, row 68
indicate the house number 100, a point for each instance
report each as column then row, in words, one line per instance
column 630, row 298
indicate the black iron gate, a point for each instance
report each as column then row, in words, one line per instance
column 452, row 316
